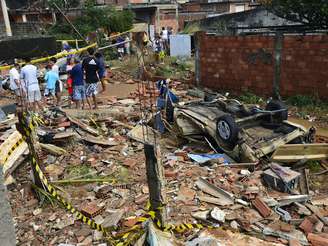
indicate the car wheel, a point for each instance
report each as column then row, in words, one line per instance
column 278, row 105
column 227, row 130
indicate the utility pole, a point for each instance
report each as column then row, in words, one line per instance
column 6, row 18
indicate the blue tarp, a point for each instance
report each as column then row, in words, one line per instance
column 202, row 158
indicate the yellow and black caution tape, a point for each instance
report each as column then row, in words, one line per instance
column 28, row 130
column 12, row 149
column 123, row 239
column 58, row 55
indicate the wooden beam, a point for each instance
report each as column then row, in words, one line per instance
column 296, row 152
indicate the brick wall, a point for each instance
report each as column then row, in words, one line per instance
column 238, row 64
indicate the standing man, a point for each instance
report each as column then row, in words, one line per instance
column 102, row 70
column 76, row 74
column 29, row 76
column 165, row 38
column 91, row 67
column 15, row 84
column 120, row 47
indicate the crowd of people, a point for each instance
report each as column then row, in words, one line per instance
column 83, row 79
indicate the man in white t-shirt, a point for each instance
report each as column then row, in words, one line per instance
column 165, row 38
column 14, row 79
column 29, row 76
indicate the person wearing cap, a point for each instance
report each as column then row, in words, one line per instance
column 15, row 83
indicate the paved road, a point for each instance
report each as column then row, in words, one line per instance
column 7, row 230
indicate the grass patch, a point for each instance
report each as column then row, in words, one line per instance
column 80, row 170
column 314, row 166
column 250, row 98
column 309, row 105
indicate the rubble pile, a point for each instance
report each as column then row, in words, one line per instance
column 92, row 158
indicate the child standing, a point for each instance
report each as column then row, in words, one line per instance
column 69, row 81
column 51, row 79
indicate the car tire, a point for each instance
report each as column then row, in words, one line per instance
column 278, row 105
column 227, row 130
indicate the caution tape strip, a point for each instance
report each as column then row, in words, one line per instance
column 28, row 130
column 58, row 55
column 63, row 54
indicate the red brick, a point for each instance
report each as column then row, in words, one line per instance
column 262, row 207
column 64, row 124
column 317, row 240
column 307, row 225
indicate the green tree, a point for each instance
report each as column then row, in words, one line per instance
column 64, row 4
column 94, row 17
column 309, row 12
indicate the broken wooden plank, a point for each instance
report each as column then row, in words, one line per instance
column 99, row 114
column 53, row 149
column 239, row 165
column 98, row 140
column 143, row 134
column 16, row 164
column 226, row 197
column 213, row 200
column 8, row 123
column 296, row 152
column 304, row 183
column 64, row 135
column 83, row 125
column 11, row 150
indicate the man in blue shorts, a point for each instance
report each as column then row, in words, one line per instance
column 78, row 84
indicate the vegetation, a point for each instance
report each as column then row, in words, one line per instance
column 250, row 98
column 310, row 12
column 309, row 105
column 66, row 4
column 94, row 18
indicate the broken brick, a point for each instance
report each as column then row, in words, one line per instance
column 262, row 207
column 286, row 227
column 170, row 174
column 307, row 225
column 318, row 227
column 92, row 210
column 131, row 221
column 64, row 124
column 317, row 240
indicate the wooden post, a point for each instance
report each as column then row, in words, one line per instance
column 6, row 18
column 156, row 181
column 278, row 43
column 31, row 142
